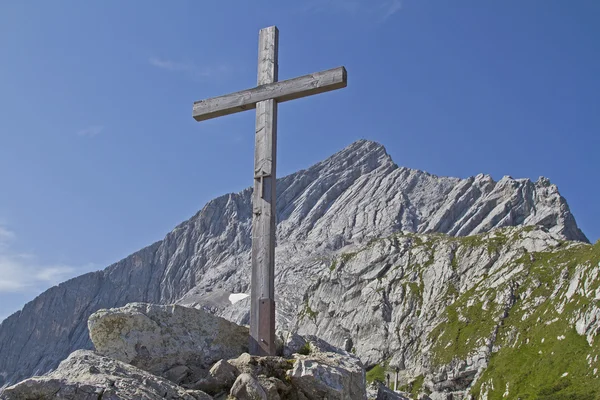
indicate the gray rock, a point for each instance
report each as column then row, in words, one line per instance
column 392, row 297
column 85, row 375
column 221, row 376
column 170, row 341
column 267, row 366
column 246, row 387
column 343, row 202
column 294, row 343
column 327, row 372
column 177, row 374
column 385, row 393
column 276, row 389
column 224, row 372
column 329, row 375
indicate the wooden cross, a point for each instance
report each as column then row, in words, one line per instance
column 265, row 98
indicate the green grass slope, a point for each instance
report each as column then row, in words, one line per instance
column 537, row 352
column 541, row 355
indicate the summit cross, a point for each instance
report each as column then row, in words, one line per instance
column 265, row 97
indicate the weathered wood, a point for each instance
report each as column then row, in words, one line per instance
column 290, row 89
column 262, row 298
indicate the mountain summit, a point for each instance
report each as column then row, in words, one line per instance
column 357, row 195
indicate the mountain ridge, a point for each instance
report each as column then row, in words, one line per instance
column 354, row 196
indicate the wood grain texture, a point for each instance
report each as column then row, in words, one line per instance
column 262, row 301
column 291, row 89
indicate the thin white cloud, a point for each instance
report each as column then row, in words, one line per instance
column 391, row 7
column 22, row 272
column 170, row 65
column 379, row 9
column 193, row 71
column 55, row 274
column 6, row 235
column 334, row 6
column 91, row 131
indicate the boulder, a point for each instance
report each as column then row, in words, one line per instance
column 221, row 377
column 271, row 374
column 224, row 372
column 385, row 393
column 325, row 372
column 268, row 366
column 328, row 372
column 247, row 387
column 292, row 343
column 85, row 375
column 177, row 374
column 277, row 389
column 164, row 340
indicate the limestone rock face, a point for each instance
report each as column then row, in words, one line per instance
column 341, row 203
column 439, row 307
column 171, row 341
column 85, row 375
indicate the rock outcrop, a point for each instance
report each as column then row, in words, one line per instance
column 85, row 375
column 326, row 373
column 175, row 342
column 356, row 195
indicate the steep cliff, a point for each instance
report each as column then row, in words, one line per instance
column 355, row 196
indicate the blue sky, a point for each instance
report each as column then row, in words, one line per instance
column 99, row 154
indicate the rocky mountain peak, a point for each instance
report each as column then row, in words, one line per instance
column 363, row 153
column 351, row 198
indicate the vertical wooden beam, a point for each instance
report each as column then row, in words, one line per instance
column 262, row 306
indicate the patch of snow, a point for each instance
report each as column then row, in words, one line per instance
column 235, row 297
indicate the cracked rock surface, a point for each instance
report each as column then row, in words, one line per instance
column 85, row 375
column 178, row 343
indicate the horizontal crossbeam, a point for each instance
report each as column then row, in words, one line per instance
column 290, row 89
